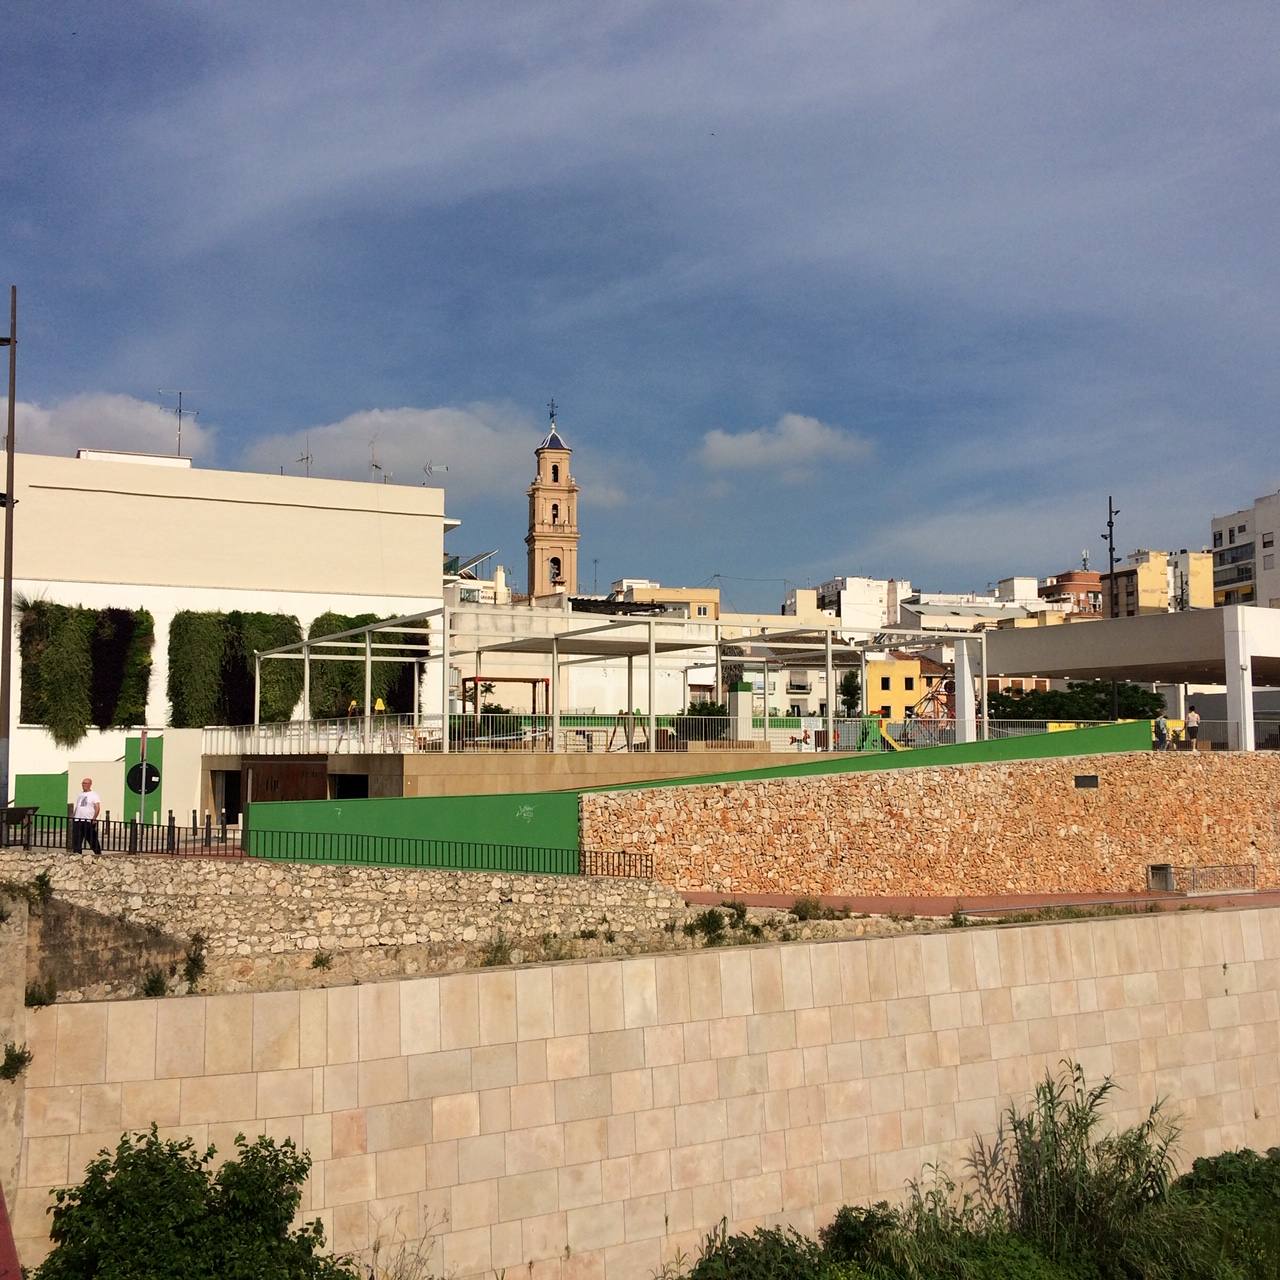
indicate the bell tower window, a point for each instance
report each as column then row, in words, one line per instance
column 555, row 513
column 554, row 565
column 555, row 473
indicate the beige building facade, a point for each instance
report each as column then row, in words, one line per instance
column 552, row 540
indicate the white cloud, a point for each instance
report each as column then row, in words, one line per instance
column 794, row 446
column 486, row 448
column 102, row 420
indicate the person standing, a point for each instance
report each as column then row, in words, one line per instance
column 1162, row 733
column 1193, row 726
column 84, row 818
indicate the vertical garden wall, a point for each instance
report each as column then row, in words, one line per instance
column 211, row 667
column 336, row 685
column 83, row 667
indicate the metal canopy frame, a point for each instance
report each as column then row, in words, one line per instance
column 449, row 634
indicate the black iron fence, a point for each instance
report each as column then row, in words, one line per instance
column 360, row 849
column 33, row 830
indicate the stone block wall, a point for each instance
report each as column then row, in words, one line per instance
column 1017, row 827
column 264, row 922
column 584, row 1121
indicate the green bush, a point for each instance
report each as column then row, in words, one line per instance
column 1061, row 1183
column 157, row 1209
column 336, row 685
column 766, row 1254
column 121, row 667
column 702, row 722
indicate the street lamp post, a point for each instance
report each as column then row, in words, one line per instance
column 6, row 606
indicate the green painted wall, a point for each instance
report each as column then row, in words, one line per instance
column 1132, row 736
column 541, row 820
column 155, row 756
column 47, row 790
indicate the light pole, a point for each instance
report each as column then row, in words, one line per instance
column 6, row 606
column 1114, row 606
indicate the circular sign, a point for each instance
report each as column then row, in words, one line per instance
column 134, row 778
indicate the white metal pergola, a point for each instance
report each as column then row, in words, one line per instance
column 446, row 634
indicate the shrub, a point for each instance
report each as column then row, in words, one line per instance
column 40, row 994
column 702, row 722
column 709, row 923
column 737, row 913
column 497, row 951
column 766, row 1254
column 194, row 964
column 154, row 984
column 322, row 960
column 16, row 1060
column 161, row 1201
column 1058, row 1183
column 852, row 1234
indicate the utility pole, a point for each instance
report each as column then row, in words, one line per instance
column 6, row 608
column 1113, row 609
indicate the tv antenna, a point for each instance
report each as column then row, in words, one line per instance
column 431, row 468
column 180, row 411
column 374, row 464
column 306, row 458
column 1084, row 558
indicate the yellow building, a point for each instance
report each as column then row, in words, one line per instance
column 895, row 683
column 695, row 602
column 1158, row 582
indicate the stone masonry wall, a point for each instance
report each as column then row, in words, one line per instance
column 585, row 1121
column 264, row 922
column 1017, row 827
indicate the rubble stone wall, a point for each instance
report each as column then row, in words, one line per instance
column 1069, row 824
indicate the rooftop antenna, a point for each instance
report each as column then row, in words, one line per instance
column 1084, row 558
column 374, row 464
column 306, row 458
column 431, row 468
column 180, row 411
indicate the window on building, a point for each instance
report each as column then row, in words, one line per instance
column 909, row 683
column 1240, row 528
column 1231, row 537
column 1217, row 537
column 702, row 611
column 886, row 683
column 555, row 568
column 1268, row 540
column 555, row 473
column 1269, row 562
column 555, row 513
column 1042, row 686
column 886, row 711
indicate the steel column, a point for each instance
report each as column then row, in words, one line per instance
column 653, row 719
column 631, row 699
column 831, row 695
column 444, row 679
column 368, row 690
column 555, row 694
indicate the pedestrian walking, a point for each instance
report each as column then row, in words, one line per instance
column 1193, row 726
column 1162, row 733
column 84, row 818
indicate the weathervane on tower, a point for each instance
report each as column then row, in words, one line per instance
column 552, row 406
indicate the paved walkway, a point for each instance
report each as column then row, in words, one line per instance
column 904, row 905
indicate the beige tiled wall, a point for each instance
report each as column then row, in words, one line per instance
column 591, row 1118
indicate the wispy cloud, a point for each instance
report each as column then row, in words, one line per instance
column 793, row 447
column 101, row 420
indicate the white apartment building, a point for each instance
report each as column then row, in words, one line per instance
column 862, row 604
column 1244, row 554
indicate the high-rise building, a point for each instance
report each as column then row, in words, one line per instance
column 553, row 534
column 1244, row 558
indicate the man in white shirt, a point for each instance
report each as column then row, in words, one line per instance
column 84, row 818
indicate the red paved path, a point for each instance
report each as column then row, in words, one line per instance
column 943, row 906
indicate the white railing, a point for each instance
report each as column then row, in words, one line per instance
column 580, row 732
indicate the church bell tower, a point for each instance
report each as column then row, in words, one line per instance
column 553, row 518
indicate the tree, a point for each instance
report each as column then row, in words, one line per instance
column 156, row 1210
column 1080, row 700
column 850, row 692
column 702, row 722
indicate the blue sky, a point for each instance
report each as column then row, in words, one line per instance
column 820, row 288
